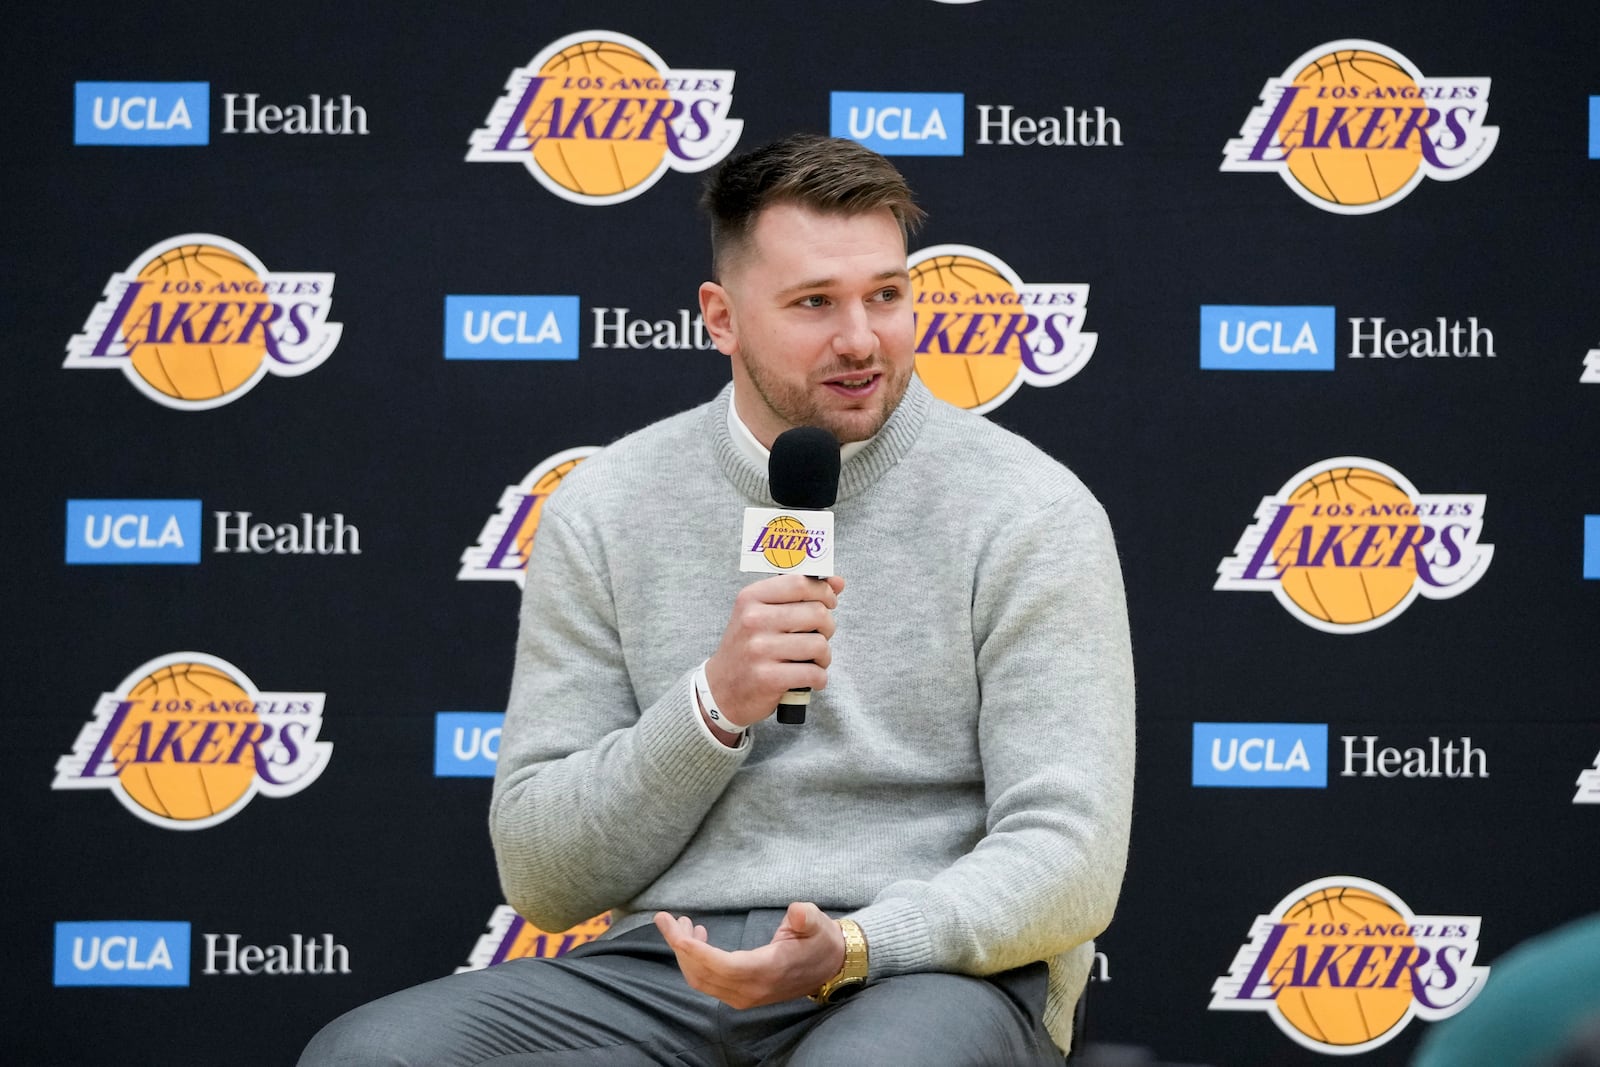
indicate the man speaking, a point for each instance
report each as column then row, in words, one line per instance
column 915, row 874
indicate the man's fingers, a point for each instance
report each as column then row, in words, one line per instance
column 794, row 588
column 799, row 917
column 791, row 648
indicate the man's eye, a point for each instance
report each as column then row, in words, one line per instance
column 812, row 301
column 889, row 295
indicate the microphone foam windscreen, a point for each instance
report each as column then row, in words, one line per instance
column 804, row 468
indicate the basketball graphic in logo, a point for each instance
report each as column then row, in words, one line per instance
column 596, row 166
column 1350, row 594
column 1338, row 172
column 1341, row 1015
column 184, row 369
column 170, row 700
column 785, row 542
column 973, row 381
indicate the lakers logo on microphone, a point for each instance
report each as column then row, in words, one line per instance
column 982, row 332
column 597, row 118
column 788, row 541
column 186, row 740
column 1354, row 126
column 1346, row 545
column 1341, row 965
column 197, row 321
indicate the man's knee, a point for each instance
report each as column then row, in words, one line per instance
column 916, row 1019
column 355, row 1039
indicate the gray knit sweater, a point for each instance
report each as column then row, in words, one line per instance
column 963, row 786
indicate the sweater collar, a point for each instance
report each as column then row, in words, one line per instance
column 858, row 471
column 757, row 452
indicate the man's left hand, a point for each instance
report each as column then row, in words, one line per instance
column 806, row 950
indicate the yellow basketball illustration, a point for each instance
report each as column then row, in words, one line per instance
column 1350, row 175
column 596, row 160
column 532, row 941
column 177, row 789
column 960, row 281
column 785, row 526
column 542, row 488
column 183, row 367
column 1344, row 594
column 1338, row 1014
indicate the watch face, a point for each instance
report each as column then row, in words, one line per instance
column 848, row 988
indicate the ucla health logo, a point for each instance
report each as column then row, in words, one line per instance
column 157, row 954
column 133, row 531
column 1347, row 544
column 186, row 740
column 510, row 327
column 122, row 953
column 1341, row 965
column 197, row 320
column 1353, row 127
column 899, row 124
column 1250, row 337
column 597, row 118
column 1257, row 754
column 466, row 744
column 168, row 531
column 142, row 113
column 981, row 331
column 511, row 937
column 501, row 552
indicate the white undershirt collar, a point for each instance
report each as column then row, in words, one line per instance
column 757, row 453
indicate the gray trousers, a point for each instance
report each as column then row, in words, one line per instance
column 622, row 1001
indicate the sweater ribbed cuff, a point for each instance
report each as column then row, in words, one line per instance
column 897, row 938
column 680, row 750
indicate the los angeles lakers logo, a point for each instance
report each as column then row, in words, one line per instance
column 511, row 937
column 501, row 553
column 186, row 740
column 1353, row 127
column 982, row 332
column 1342, row 965
column 197, row 320
column 1347, row 544
column 785, row 542
column 598, row 118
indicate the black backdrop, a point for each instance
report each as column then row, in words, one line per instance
column 391, row 859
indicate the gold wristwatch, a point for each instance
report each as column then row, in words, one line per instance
column 853, row 973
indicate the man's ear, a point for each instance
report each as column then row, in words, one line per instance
column 716, row 311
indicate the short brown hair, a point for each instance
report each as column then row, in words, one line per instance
column 827, row 174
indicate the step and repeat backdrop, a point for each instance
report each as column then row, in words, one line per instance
column 311, row 306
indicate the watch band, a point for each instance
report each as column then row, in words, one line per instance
column 853, row 972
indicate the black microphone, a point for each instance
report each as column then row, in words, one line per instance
column 803, row 473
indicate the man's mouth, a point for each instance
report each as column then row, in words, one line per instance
column 853, row 385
